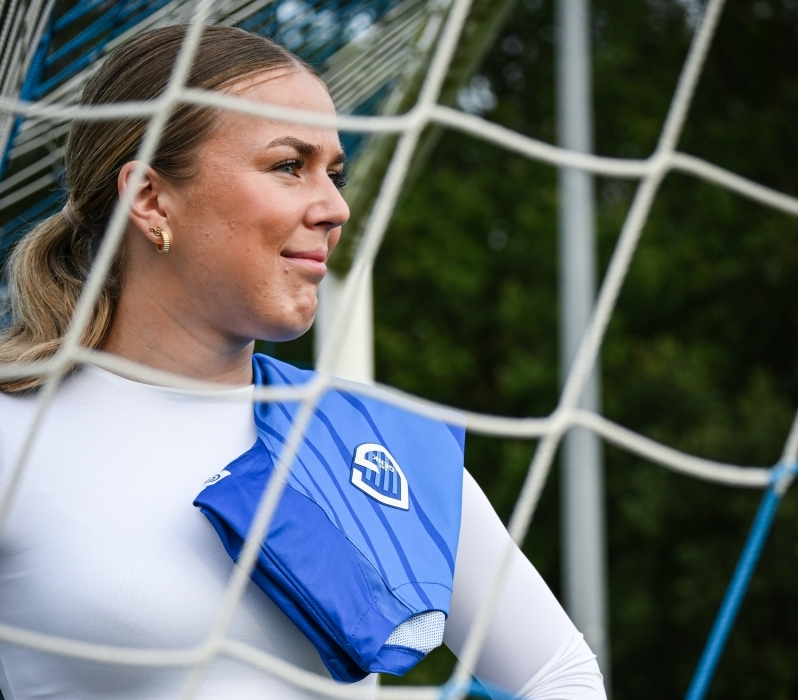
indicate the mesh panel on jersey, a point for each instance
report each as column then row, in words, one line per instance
column 422, row 632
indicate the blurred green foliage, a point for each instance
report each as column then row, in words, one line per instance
column 700, row 354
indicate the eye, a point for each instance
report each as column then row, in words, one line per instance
column 291, row 166
column 339, row 178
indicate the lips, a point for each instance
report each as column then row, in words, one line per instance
column 311, row 260
column 319, row 255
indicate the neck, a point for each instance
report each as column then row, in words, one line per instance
column 150, row 333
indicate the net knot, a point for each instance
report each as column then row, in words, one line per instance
column 782, row 475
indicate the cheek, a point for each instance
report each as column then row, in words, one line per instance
column 236, row 234
column 252, row 205
column 244, row 234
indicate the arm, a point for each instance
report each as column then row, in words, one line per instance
column 532, row 649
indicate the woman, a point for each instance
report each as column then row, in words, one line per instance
column 227, row 239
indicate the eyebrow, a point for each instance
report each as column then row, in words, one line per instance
column 305, row 148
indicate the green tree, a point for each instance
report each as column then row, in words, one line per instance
column 701, row 350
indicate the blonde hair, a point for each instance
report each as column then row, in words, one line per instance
column 48, row 268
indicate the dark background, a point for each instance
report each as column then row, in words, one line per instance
column 700, row 354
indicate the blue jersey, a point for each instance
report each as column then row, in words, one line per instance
column 361, row 550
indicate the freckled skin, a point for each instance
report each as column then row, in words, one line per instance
column 242, row 231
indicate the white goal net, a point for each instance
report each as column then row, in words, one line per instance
column 61, row 106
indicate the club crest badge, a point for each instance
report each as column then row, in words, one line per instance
column 216, row 478
column 377, row 474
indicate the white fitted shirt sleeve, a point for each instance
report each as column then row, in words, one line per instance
column 532, row 648
column 103, row 545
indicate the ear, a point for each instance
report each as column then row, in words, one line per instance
column 147, row 200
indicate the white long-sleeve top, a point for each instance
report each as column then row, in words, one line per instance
column 103, row 545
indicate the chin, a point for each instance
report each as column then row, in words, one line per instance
column 289, row 331
column 289, row 325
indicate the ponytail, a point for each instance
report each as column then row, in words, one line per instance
column 45, row 276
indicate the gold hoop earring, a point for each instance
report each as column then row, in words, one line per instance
column 166, row 241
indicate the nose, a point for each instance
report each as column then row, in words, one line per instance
column 330, row 210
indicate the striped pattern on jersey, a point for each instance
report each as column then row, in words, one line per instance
column 365, row 537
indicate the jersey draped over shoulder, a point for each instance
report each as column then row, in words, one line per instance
column 361, row 551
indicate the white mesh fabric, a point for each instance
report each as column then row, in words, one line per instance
column 422, row 632
column 408, row 127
